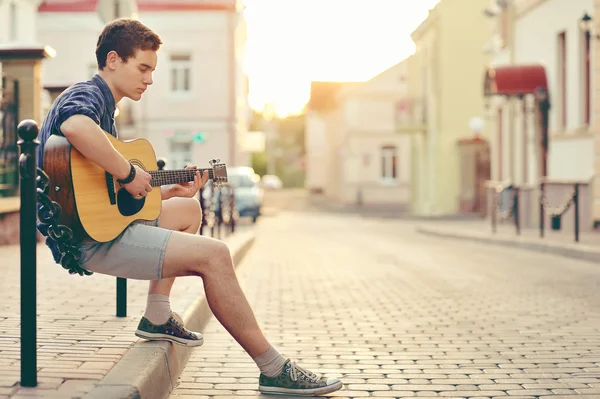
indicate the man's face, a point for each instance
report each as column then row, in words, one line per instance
column 135, row 75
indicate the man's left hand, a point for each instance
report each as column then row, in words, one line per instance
column 187, row 189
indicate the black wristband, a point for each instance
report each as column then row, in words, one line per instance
column 129, row 178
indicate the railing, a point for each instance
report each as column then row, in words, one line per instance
column 34, row 190
column 512, row 211
column 556, row 213
column 219, row 211
column 28, row 132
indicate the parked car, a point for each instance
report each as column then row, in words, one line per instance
column 271, row 182
column 247, row 191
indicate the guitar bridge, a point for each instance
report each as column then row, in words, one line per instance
column 110, row 185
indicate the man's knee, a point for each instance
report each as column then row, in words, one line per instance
column 190, row 254
column 192, row 206
column 218, row 262
column 221, row 259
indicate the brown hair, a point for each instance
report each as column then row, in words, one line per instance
column 125, row 36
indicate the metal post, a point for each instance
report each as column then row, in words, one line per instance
column 576, row 201
column 494, row 211
column 232, row 209
column 202, row 210
column 516, row 209
column 121, row 297
column 541, row 201
column 28, row 132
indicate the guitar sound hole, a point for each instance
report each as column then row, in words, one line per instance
column 127, row 204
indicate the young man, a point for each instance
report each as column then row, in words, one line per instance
column 169, row 247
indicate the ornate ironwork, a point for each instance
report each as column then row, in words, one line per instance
column 560, row 210
column 48, row 218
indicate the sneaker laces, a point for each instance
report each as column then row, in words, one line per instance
column 177, row 320
column 295, row 369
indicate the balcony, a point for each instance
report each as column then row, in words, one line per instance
column 411, row 115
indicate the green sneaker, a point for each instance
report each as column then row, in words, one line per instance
column 173, row 331
column 294, row 380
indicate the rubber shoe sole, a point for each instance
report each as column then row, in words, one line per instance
column 165, row 337
column 301, row 392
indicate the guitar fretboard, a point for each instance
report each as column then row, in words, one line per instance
column 164, row 177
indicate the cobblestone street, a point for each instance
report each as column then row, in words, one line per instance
column 397, row 314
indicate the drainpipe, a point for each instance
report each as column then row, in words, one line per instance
column 232, row 87
column 512, row 14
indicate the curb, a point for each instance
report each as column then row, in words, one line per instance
column 574, row 251
column 150, row 369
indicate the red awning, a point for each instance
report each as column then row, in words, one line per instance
column 514, row 80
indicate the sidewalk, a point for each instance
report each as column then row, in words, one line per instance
column 557, row 242
column 84, row 350
column 396, row 314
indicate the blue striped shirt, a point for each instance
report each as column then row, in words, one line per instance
column 91, row 98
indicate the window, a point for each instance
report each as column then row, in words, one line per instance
column 180, row 73
column 586, row 73
column 562, row 78
column 388, row 163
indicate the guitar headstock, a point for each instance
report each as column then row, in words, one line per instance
column 219, row 172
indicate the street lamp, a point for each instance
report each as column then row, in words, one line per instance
column 476, row 125
column 585, row 24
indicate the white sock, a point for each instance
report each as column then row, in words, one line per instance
column 158, row 309
column 270, row 363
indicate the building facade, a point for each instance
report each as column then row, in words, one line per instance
column 196, row 109
column 445, row 95
column 543, row 35
column 354, row 156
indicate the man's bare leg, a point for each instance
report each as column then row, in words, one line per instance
column 189, row 255
column 178, row 214
column 195, row 255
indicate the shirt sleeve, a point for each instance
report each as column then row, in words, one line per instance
column 86, row 101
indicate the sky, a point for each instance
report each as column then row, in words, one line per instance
column 293, row 42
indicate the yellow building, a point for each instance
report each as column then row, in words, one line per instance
column 450, row 165
column 595, row 120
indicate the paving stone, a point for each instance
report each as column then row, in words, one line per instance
column 79, row 337
column 424, row 317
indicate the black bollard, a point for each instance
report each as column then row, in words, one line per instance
column 517, row 192
column 541, row 204
column 121, row 297
column 576, row 202
column 28, row 132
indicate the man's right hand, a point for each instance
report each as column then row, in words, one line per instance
column 140, row 185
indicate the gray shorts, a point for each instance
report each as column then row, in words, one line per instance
column 137, row 253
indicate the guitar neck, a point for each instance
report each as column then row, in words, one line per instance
column 164, row 177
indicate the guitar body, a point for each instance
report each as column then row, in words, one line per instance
column 94, row 207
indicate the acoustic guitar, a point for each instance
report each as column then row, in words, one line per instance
column 94, row 206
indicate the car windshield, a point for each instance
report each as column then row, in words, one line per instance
column 241, row 180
